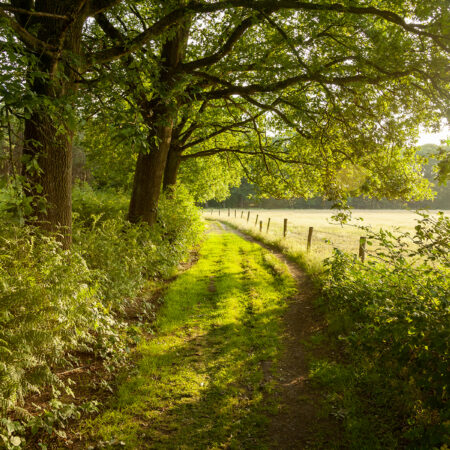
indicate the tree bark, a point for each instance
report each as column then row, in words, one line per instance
column 150, row 165
column 47, row 139
column 148, row 177
column 172, row 167
column 50, row 184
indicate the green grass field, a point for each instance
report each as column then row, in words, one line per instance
column 326, row 234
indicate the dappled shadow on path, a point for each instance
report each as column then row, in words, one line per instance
column 200, row 382
column 214, row 376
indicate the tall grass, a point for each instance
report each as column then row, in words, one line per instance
column 327, row 234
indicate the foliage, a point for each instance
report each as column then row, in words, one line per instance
column 434, row 162
column 91, row 205
column 209, row 178
column 391, row 316
column 50, row 309
column 296, row 96
column 49, row 421
column 125, row 255
column 55, row 303
column 13, row 201
column 111, row 149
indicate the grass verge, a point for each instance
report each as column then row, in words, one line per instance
column 310, row 263
column 200, row 382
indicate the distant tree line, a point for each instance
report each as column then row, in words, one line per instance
column 246, row 195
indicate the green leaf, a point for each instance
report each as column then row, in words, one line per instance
column 16, row 441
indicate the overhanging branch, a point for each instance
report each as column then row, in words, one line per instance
column 225, row 50
column 27, row 12
column 280, row 85
column 195, row 7
column 220, row 131
column 29, row 39
column 275, row 157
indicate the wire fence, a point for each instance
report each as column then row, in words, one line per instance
column 319, row 239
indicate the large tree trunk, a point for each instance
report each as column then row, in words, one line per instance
column 47, row 139
column 50, row 179
column 148, row 177
column 172, row 167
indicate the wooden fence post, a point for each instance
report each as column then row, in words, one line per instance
column 268, row 225
column 242, row 213
column 362, row 248
column 228, row 212
column 248, row 216
column 260, row 226
column 256, row 221
column 310, row 235
column 235, row 214
column 285, row 228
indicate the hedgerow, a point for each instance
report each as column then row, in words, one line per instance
column 56, row 304
column 391, row 317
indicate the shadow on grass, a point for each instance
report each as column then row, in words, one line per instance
column 200, row 382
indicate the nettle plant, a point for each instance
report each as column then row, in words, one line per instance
column 50, row 309
column 392, row 314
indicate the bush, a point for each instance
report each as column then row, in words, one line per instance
column 48, row 307
column 392, row 317
column 89, row 205
column 55, row 303
column 124, row 255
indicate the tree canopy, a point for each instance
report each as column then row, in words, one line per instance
column 303, row 98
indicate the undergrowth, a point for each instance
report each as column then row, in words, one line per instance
column 56, row 305
column 391, row 319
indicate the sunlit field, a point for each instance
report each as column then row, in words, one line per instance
column 327, row 234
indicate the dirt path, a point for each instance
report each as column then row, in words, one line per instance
column 298, row 423
column 202, row 380
column 207, row 379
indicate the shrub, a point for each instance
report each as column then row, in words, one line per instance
column 89, row 205
column 392, row 316
column 55, row 303
column 124, row 255
column 48, row 307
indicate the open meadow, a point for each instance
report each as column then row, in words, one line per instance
column 327, row 234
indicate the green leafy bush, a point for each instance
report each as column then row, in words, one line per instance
column 124, row 255
column 48, row 308
column 89, row 205
column 179, row 228
column 56, row 303
column 392, row 317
